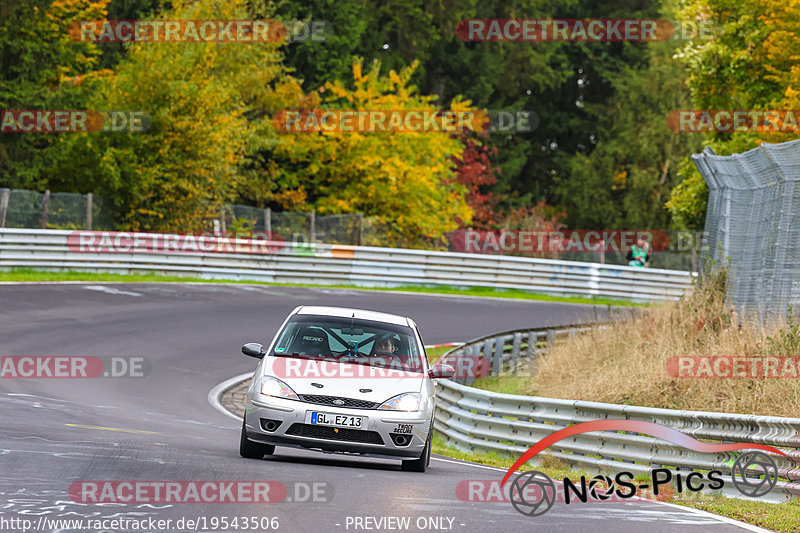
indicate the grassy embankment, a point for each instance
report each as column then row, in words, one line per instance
column 626, row 363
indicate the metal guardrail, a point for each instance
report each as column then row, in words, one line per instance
column 479, row 421
column 363, row 266
column 507, row 353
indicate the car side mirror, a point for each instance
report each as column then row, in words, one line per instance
column 253, row 349
column 442, row 371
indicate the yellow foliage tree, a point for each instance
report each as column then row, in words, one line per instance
column 405, row 179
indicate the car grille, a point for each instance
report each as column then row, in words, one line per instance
column 329, row 433
column 348, row 402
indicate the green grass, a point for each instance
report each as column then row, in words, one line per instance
column 435, row 353
column 550, row 466
column 504, row 384
column 37, row 275
column 782, row 518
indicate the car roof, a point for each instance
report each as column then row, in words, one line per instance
column 347, row 312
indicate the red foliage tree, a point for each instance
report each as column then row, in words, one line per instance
column 474, row 170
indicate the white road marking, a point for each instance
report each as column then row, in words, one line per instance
column 110, row 290
column 215, row 394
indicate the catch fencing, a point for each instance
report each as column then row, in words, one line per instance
column 479, row 421
column 21, row 208
column 323, row 264
column 31, row 209
column 753, row 225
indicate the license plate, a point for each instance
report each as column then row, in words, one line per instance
column 330, row 419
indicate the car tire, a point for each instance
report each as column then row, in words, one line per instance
column 421, row 464
column 253, row 450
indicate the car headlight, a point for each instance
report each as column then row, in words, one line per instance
column 271, row 386
column 408, row 401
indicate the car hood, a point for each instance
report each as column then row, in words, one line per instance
column 346, row 380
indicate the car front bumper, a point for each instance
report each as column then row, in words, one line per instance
column 373, row 439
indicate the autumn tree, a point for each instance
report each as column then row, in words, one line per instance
column 404, row 179
column 474, row 170
column 750, row 64
column 209, row 104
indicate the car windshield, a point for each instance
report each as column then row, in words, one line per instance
column 350, row 340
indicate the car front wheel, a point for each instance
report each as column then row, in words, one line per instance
column 419, row 465
column 253, row 450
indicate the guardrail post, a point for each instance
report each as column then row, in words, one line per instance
column 89, row 202
column 497, row 358
column 472, row 355
column 487, row 353
column 533, row 340
column 4, row 206
column 551, row 337
column 515, row 351
column 45, row 208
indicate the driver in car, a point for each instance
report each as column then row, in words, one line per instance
column 386, row 349
column 385, row 345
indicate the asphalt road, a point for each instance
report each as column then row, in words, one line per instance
column 54, row 432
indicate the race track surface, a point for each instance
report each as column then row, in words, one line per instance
column 161, row 427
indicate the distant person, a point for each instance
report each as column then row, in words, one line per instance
column 639, row 254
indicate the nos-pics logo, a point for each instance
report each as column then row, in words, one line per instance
column 533, row 493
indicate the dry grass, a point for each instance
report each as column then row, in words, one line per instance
column 626, row 363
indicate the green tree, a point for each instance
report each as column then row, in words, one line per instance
column 750, row 64
column 626, row 180
column 209, row 104
column 40, row 68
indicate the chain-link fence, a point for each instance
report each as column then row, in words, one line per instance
column 753, row 225
column 31, row 209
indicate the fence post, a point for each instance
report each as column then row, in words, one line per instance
column 312, row 237
column 602, row 251
column 4, row 206
column 89, row 201
column 45, row 208
column 360, row 228
column 222, row 219
column 268, row 223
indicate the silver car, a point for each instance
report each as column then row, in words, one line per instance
column 343, row 381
